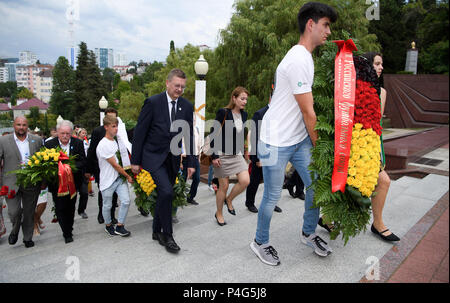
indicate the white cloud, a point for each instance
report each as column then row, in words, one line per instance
column 142, row 29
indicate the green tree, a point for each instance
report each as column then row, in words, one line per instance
column 24, row 93
column 172, row 46
column 391, row 33
column 135, row 65
column 149, row 73
column 62, row 99
column 108, row 75
column 8, row 89
column 87, row 89
column 123, row 86
column 6, row 119
column 183, row 59
column 136, row 84
column 116, row 80
column 33, row 117
column 433, row 37
column 130, row 107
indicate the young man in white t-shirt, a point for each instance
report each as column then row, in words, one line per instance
column 110, row 180
column 287, row 130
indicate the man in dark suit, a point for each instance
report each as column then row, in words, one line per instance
column 92, row 167
column 15, row 149
column 64, row 205
column 256, row 175
column 151, row 149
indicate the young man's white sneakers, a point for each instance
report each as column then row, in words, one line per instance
column 320, row 247
column 266, row 253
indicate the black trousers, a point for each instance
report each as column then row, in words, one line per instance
column 255, row 178
column 164, row 178
column 84, row 195
column 65, row 212
column 295, row 181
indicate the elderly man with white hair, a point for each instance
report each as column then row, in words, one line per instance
column 64, row 205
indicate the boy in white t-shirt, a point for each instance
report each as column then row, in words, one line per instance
column 110, row 180
column 287, row 130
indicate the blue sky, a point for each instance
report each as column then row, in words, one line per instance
column 141, row 29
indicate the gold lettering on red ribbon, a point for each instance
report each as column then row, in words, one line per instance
column 65, row 178
column 344, row 107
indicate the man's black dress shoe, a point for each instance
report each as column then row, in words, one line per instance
column 68, row 239
column 100, row 219
column 158, row 237
column 252, row 208
column 143, row 212
column 170, row 244
column 390, row 238
column 300, row 195
column 277, row 209
column 193, row 202
column 290, row 188
column 12, row 239
column 83, row 215
column 28, row 244
column 230, row 211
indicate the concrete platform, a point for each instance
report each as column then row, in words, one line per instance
column 210, row 253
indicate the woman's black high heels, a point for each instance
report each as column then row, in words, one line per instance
column 324, row 225
column 221, row 224
column 230, row 211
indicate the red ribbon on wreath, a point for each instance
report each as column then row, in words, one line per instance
column 65, row 176
column 344, row 108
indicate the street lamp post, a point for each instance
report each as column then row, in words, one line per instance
column 103, row 104
column 59, row 120
column 201, row 69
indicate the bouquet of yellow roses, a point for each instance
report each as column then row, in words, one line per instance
column 146, row 192
column 43, row 167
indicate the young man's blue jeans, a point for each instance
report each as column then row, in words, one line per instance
column 274, row 160
column 121, row 188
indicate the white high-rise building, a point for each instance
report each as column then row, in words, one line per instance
column 72, row 55
column 4, row 74
column 120, row 59
column 105, row 57
column 27, row 58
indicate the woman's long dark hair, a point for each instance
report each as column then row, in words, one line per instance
column 366, row 72
column 370, row 56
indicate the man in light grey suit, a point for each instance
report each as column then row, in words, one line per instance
column 15, row 149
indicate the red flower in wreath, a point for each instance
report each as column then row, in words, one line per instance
column 12, row 194
column 367, row 106
column 4, row 190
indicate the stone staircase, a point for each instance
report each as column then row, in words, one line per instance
column 210, row 253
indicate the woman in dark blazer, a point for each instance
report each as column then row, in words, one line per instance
column 229, row 159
